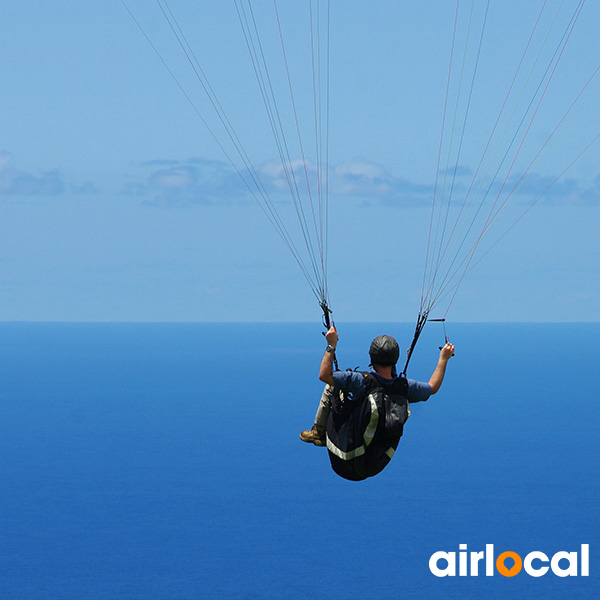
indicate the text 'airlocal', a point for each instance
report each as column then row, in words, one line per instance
column 509, row 563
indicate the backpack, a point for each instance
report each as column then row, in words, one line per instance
column 362, row 436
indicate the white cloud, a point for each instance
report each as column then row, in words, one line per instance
column 180, row 183
column 207, row 181
column 361, row 168
column 357, row 178
column 176, row 178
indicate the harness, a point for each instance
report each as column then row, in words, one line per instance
column 362, row 436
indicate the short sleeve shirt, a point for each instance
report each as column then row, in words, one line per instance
column 352, row 383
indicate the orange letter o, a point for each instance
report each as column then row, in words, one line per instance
column 516, row 568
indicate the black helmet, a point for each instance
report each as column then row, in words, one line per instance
column 384, row 351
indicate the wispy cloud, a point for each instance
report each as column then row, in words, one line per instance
column 172, row 182
column 14, row 182
column 176, row 183
column 562, row 192
column 166, row 182
column 88, row 188
column 361, row 178
column 518, row 187
column 357, row 178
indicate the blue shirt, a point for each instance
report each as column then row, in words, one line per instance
column 352, row 383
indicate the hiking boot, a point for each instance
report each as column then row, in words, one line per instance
column 312, row 436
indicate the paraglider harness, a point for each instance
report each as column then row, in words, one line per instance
column 362, row 436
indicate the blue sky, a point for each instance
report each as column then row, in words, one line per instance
column 117, row 204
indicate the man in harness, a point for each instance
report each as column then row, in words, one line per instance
column 361, row 415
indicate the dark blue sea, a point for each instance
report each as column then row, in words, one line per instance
column 162, row 461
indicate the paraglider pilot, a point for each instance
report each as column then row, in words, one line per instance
column 361, row 415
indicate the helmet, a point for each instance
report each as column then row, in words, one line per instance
column 384, row 351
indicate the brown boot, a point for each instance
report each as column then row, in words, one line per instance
column 312, row 436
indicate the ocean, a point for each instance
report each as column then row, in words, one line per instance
column 162, row 461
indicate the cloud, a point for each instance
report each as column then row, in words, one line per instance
column 180, row 183
column 88, row 188
column 519, row 188
column 169, row 182
column 360, row 177
column 367, row 180
column 18, row 183
column 175, row 178
column 552, row 192
column 199, row 181
column 357, row 178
